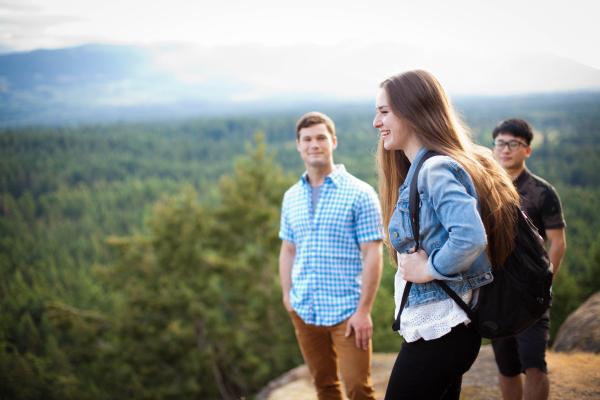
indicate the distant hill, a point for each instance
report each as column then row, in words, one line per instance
column 87, row 83
column 98, row 82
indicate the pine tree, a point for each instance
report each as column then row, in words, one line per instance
column 201, row 314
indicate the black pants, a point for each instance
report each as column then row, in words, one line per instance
column 526, row 350
column 433, row 369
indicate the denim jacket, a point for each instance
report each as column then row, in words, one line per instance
column 451, row 230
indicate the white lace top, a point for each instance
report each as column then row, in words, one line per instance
column 428, row 321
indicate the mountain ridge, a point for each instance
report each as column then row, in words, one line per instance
column 97, row 82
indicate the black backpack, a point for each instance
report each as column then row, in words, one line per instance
column 521, row 290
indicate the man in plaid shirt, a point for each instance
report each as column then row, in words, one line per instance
column 330, row 263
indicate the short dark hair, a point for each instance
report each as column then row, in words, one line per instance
column 315, row 118
column 516, row 127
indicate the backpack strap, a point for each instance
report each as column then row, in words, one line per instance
column 457, row 299
column 414, row 205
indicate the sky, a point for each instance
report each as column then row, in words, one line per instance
column 564, row 28
column 338, row 48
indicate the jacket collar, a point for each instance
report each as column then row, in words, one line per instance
column 413, row 165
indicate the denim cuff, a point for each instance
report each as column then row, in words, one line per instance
column 436, row 275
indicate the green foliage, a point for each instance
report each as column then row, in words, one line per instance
column 566, row 296
column 199, row 292
column 384, row 338
column 183, row 300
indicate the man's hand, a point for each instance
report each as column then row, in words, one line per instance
column 361, row 321
column 362, row 325
column 413, row 267
column 557, row 244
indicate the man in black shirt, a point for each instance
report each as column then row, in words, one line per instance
column 525, row 353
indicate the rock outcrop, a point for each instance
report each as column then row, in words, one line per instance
column 581, row 331
column 568, row 380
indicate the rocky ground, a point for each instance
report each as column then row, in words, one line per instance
column 572, row 376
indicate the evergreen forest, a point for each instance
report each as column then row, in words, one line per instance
column 139, row 260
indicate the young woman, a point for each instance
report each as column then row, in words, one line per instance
column 467, row 222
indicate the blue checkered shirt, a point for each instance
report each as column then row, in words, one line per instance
column 327, row 270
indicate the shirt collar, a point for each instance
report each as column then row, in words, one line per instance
column 335, row 177
column 522, row 177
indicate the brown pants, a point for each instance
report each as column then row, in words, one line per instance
column 321, row 348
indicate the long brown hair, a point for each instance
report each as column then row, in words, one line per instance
column 418, row 98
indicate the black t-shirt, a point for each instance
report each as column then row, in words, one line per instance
column 540, row 202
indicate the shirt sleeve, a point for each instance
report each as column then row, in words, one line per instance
column 443, row 183
column 285, row 228
column 367, row 214
column 551, row 210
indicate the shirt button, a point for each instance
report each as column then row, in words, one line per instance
column 395, row 234
column 487, row 276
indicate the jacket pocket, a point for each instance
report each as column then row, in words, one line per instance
column 404, row 212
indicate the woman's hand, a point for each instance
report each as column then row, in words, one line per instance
column 413, row 267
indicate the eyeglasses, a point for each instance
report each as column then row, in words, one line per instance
column 512, row 144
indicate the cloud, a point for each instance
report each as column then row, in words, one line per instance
column 564, row 28
column 21, row 6
column 25, row 25
column 350, row 72
column 33, row 23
